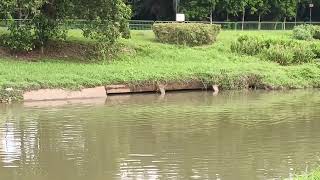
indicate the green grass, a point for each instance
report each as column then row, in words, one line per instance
column 315, row 175
column 151, row 61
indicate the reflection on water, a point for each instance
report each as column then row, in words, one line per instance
column 236, row 135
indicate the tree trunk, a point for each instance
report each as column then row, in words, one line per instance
column 19, row 13
column 243, row 17
column 211, row 18
column 259, row 25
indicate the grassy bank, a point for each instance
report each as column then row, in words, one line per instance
column 145, row 61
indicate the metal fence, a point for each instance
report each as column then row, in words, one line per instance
column 248, row 25
column 147, row 25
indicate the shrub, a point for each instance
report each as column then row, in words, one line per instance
column 20, row 38
column 192, row 34
column 316, row 49
column 283, row 42
column 284, row 52
column 302, row 54
column 248, row 45
column 304, row 32
column 286, row 55
column 279, row 54
column 317, row 33
column 253, row 45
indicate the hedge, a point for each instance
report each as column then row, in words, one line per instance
column 190, row 34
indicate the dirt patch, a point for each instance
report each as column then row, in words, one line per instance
column 66, row 50
column 55, row 50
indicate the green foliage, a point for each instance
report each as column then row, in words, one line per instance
column 249, row 45
column 38, row 22
column 278, row 9
column 285, row 9
column 286, row 55
column 41, row 21
column 316, row 34
column 303, row 53
column 261, row 7
column 254, row 45
column 20, row 38
column 279, row 54
column 186, row 34
column 197, row 10
column 153, row 9
column 316, row 49
column 108, row 20
column 284, row 52
column 304, row 32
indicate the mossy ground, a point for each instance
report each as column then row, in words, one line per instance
column 143, row 60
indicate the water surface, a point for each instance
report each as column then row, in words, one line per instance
column 236, row 136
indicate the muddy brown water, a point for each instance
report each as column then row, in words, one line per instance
column 194, row 135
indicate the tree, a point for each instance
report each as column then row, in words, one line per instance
column 285, row 9
column 153, row 9
column 198, row 9
column 42, row 20
column 231, row 7
column 260, row 7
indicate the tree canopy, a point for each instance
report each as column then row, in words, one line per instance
column 233, row 10
column 32, row 23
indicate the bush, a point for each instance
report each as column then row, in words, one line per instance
column 286, row 55
column 284, row 52
column 20, row 38
column 253, row 45
column 304, row 32
column 279, row 54
column 316, row 49
column 248, row 45
column 317, row 33
column 192, row 34
column 302, row 54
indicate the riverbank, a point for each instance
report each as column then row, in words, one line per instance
column 145, row 61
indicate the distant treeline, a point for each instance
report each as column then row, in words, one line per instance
column 227, row 10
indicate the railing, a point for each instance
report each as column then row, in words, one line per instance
column 248, row 25
column 147, row 25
